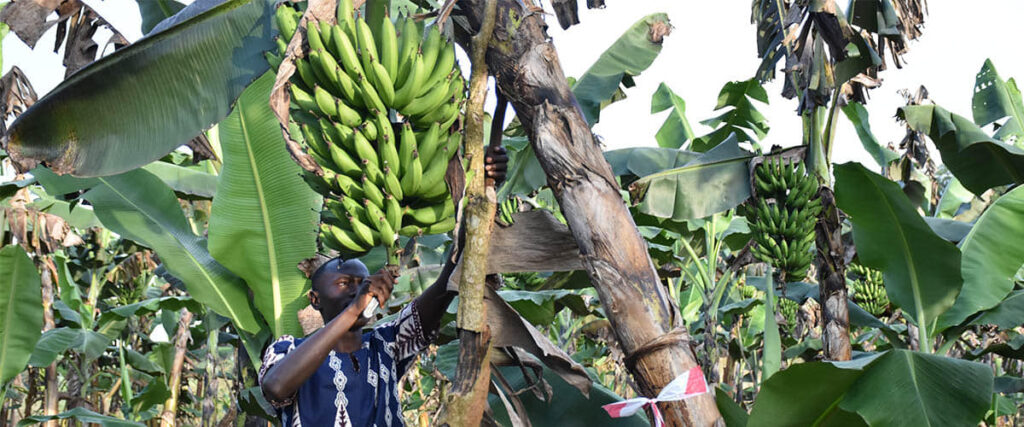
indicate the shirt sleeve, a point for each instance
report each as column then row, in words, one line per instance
column 406, row 336
column 275, row 352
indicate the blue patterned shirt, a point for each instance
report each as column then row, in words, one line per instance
column 343, row 394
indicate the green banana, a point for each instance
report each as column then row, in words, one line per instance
column 413, row 176
column 303, row 99
column 313, row 36
column 344, row 162
column 345, row 17
column 428, row 101
column 343, row 239
column 392, row 184
column 445, row 61
column 393, row 211
column 416, row 76
column 444, row 226
column 364, row 150
column 430, row 214
column 348, row 186
column 406, row 148
column 286, row 21
column 430, row 48
column 372, row 192
column 343, row 48
column 433, row 174
column 429, row 143
column 306, row 74
column 389, row 47
column 382, row 82
column 365, row 234
column 367, row 45
column 369, row 94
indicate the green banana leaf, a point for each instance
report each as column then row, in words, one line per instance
column 643, row 161
column 896, row 388
column 906, row 388
column 154, row 11
column 949, row 229
column 53, row 343
column 732, row 413
column 541, row 307
column 921, row 270
column 988, row 264
column 741, row 117
column 21, row 312
column 858, row 116
column 630, row 55
column 676, row 129
column 186, row 180
column 797, row 396
column 979, row 161
column 265, row 218
column 1008, row 314
column 82, row 415
column 139, row 103
column 772, row 359
column 954, row 196
column 567, row 407
column 140, row 207
column 714, row 182
column 995, row 99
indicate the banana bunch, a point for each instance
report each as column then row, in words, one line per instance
column 868, row 289
column 788, row 309
column 782, row 216
column 375, row 109
column 506, row 209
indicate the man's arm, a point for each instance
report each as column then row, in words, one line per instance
column 434, row 301
column 284, row 379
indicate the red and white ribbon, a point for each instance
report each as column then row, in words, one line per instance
column 685, row 386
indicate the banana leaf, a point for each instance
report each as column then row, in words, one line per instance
column 21, row 312
column 630, row 55
column 979, row 161
column 676, row 129
column 859, row 117
column 714, row 182
column 139, row 103
column 989, row 264
column 1008, row 314
column 906, row 388
column 82, row 415
column 921, row 270
column 995, row 99
column 140, row 207
column 265, row 218
column 154, row 11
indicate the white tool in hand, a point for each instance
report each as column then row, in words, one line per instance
column 371, row 307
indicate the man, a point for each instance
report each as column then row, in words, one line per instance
column 340, row 376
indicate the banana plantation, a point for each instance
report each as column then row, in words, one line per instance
column 397, row 212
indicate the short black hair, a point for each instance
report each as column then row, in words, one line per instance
column 338, row 265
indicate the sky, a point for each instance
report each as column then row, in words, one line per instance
column 712, row 43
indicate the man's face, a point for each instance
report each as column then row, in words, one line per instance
column 334, row 292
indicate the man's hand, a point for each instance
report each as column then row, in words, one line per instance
column 377, row 286
column 495, row 164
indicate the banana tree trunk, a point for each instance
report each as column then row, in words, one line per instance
column 468, row 398
column 646, row 323
column 167, row 418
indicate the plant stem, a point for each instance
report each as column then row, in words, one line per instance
column 468, row 397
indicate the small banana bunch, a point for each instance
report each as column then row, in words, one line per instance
column 506, row 209
column 381, row 179
column 868, row 289
column 782, row 216
column 788, row 309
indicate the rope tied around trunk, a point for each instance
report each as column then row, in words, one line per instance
column 669, row 338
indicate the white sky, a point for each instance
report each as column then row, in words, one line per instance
column 712, row 43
